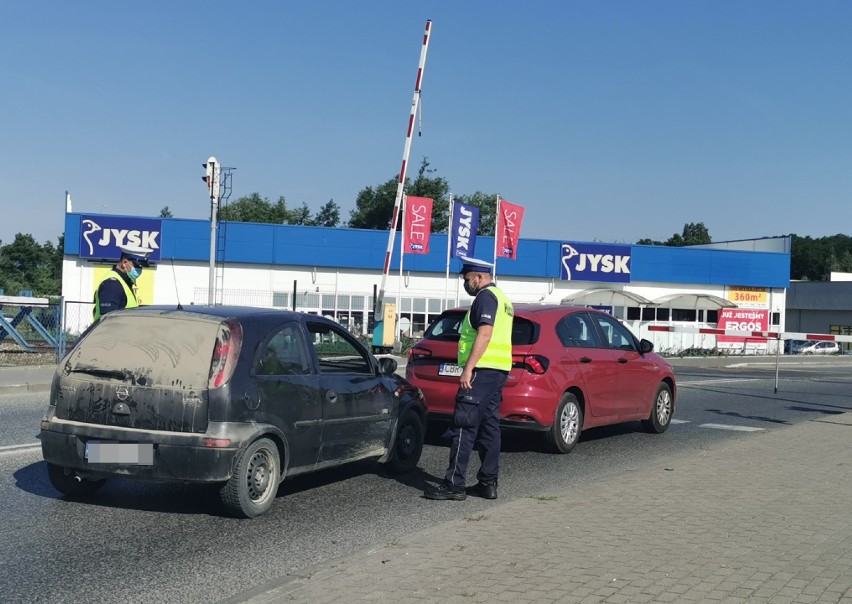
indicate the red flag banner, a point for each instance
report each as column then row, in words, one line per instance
column 418, row 225
column 509, row 229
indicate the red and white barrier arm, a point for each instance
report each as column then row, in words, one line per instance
column 773, row 335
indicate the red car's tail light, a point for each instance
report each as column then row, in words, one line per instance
column 226, row 351
column 418, row 353
column 533, row 363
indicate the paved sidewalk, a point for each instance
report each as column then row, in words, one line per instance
column 763, row 518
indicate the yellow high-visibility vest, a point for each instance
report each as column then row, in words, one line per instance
column 498, row 354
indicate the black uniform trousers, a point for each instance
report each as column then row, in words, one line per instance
column 476, row 421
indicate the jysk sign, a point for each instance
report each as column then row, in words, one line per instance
column 100, row 236
column 595, row 262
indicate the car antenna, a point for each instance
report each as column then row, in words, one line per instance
column 174, row 278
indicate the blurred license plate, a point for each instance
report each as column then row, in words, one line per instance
column 140, row 454
column 449, row 369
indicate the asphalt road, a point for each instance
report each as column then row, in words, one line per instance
column 166, row 543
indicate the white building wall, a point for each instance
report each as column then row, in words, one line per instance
column 257, row 285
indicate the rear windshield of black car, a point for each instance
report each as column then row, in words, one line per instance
column 164, row 351
column 447, row 328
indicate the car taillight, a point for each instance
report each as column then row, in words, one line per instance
column 534, row 363
column 418, row 353
column 215, row 443
column 226, row 351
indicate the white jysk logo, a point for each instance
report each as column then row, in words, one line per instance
column 594, row 263
column 464, row 231
column 120, row 237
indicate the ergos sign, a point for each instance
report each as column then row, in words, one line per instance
column 100, row 236
column 595, row 262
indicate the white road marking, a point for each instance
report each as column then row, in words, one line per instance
column 680, row 421
column 731, row 427
column 16, row 449
column 718, row 381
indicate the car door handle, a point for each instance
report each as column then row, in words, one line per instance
column 331, row 396
column 622, row 360
column 585, row 360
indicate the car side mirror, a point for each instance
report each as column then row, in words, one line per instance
column 646, row 346
column 387, row 365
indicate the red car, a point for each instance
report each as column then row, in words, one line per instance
column 573, row 368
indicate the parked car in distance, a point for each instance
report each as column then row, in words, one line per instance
column 573, row 368
column 241, row 397
column 818, row 347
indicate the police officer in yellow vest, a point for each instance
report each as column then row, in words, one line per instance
column 117, row 289
column 485, row 355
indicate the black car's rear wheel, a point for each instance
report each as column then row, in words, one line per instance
column 70, row 483
column 661, row 411
column 408, row 444
column 254, row 483
column 567, row 425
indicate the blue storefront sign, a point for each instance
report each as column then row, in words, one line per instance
column 595, row 262
column 101, row 236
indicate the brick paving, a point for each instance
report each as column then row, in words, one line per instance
column 764, row 518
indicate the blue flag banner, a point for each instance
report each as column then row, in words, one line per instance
column 463, row 232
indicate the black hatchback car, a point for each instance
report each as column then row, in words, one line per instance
column 243, row 397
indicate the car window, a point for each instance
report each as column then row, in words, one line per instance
column 337, row 350
column 170, row 350
column 615, row 334
column 446, row 327
column 577, row 330
column 283, row 353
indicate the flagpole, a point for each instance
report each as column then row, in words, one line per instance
column 496, row 222
column 449, row 238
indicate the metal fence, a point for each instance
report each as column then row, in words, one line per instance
column 32, row 327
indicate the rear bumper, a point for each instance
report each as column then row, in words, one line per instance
column 525, row 406
column 176, row 457
column 528, row 426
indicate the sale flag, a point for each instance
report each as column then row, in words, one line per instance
column 463, row 230
column 508, row 231
column 418, row 225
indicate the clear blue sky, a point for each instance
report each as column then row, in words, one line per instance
column 608, row 121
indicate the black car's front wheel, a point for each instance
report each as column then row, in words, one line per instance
column 70, row 483
column 252, row 488
column 408, row 444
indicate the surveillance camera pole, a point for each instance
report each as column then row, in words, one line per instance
column 213, row 179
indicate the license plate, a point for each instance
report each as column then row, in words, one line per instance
column 449, row 369
column 140, row 454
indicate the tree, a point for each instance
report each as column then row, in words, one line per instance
column 254, row 208
column 815, row 259
column 27, row 265
column 300, row 215
column 166, row 212
column 328, row 216
column 694, row 233
column 374, row 206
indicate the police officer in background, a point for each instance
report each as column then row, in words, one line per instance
column 117, row 289
column 485, row 355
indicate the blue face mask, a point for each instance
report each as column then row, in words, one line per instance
column 134, row 273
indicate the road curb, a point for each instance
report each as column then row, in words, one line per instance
column 24, row 388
